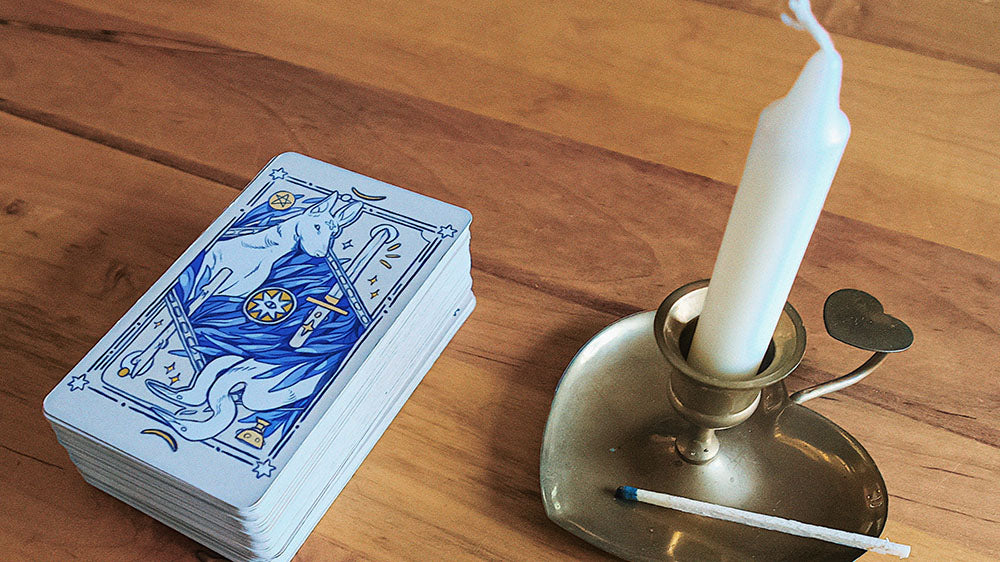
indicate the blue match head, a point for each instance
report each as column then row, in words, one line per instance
column 626, row 493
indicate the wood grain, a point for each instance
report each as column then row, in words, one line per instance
column 72, row 259
column 963, row 31
column 679, row 82
column 113, row 166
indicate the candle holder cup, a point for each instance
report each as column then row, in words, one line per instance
column 711, row 403
column 630, row 410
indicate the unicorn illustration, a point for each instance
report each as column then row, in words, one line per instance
column 251, row 257
column 248, row 361
column 236, row 266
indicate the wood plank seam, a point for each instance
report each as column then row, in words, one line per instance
column 121, row 144
column 34, row 458
column 924, row 168
column 946, row 509
column 126, row 37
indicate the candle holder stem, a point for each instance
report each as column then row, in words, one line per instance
column 697, row 445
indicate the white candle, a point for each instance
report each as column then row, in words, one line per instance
column 794, row 155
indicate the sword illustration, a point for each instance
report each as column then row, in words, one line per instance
column 137, row 363
column 380, row 236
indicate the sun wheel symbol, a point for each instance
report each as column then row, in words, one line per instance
column 269, row 306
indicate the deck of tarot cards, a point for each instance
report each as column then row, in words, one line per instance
column 235, row 400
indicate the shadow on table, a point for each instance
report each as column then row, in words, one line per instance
column 516, row 440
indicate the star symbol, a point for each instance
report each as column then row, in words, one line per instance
column 171, row 366
column 373, row 280
column 270, row 306
column 174, row 379
column 270, row 303
column 374, row 293
column 78, row 382
column 307, row 327
column 278, row 174
column 158, row 323
column 263, row 468
column 348, row 244
column 446, row 232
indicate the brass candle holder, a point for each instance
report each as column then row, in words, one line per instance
column 629, row 409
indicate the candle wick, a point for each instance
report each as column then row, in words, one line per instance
column 805, row 20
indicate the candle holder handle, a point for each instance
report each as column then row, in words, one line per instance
column 859, row 320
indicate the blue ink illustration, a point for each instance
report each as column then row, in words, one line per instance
column 258, row 324
column 257, row 275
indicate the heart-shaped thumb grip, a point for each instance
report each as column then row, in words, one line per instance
column 858, row 319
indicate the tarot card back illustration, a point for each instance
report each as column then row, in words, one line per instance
column 220, row 371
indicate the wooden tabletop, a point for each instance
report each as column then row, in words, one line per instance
column 596, row 144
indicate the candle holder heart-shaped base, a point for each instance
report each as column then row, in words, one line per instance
column 622, row 415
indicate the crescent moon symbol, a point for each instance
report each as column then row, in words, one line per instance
column 367, row 197
column 164, row 435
